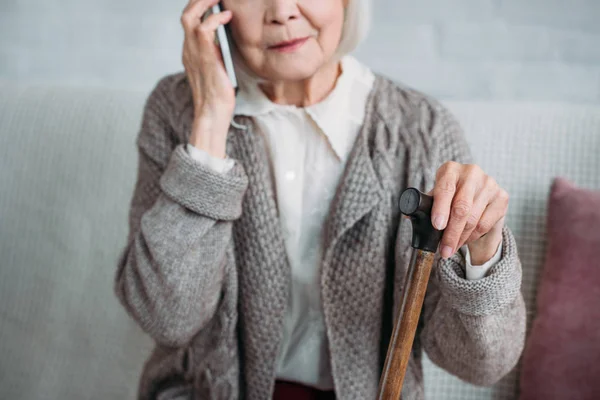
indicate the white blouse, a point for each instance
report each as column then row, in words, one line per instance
column 308, row 148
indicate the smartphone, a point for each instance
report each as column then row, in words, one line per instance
column 224, row 42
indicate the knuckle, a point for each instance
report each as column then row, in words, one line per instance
column 473, row 170
column 483, row 227
column 446, row 167
column 461, row 208
column 451, row 242
column 204, row 31
column 450, row 237
column 445, row 186
column 471, row 223
column 503, row 196
column 186, row 20
column 490, row 182
column 474, row 167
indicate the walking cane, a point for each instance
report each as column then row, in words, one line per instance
column 425, row 241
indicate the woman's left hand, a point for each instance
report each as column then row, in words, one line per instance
column 471, row 207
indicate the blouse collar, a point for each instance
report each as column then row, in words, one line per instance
column 342, row 109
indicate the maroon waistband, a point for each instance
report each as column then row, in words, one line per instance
column 285, row 390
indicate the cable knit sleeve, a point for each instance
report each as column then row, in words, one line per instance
column 474, row 329
column 169, row 275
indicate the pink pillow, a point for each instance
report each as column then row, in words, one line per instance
column 561, row 359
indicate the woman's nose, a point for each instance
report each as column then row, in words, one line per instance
column 281, row 11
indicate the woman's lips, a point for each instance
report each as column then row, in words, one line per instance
column 289, row 46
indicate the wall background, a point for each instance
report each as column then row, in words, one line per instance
column 545, row 50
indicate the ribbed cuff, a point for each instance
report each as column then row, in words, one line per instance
column 487, row 295
column 203, row 190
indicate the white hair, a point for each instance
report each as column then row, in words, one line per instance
column 357, row 21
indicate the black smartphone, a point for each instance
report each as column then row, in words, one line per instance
column 224, row 42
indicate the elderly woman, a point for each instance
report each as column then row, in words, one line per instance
column 266, row 253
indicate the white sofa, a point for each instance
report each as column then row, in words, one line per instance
column 67, row 169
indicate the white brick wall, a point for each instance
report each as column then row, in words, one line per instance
column 453, row 49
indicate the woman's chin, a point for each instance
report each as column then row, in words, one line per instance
column 291, row 76
column 292, row 70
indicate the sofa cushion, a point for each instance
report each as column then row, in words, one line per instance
column 562, row 355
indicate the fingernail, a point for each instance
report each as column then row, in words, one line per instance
column 438, row 222
column 446, row 251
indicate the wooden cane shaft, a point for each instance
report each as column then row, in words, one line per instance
column 405, row 326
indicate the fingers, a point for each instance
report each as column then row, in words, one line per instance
column 481, row 203
column 491, row 217
column 443, row 193
column 191, row 19
column 212, row 22
column 200, row 36
column 460, row 211
column 205, row 32
column 193, row 12
column 455, row 192
column 467, row 205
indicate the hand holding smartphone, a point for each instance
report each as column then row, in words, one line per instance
column 224, row 42
column 213, row 84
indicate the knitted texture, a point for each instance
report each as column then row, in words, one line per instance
column 206, row 275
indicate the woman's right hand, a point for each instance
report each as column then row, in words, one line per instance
column 212, row 91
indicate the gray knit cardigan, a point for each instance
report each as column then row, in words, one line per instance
column 205, row 272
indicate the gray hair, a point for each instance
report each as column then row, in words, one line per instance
column 357, row 21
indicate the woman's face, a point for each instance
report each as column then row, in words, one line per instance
column 261, row 28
